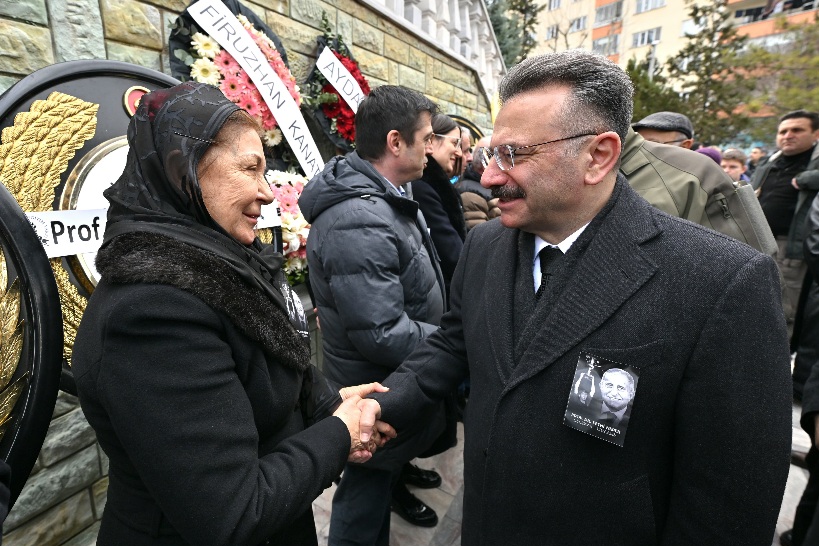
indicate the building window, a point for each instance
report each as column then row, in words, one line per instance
column 551, row 32
column 554, row 4
column 607, row 45
column 608, row 13
column 645, row 5
column 646, row 37
column 690, row 28
column 578, row 24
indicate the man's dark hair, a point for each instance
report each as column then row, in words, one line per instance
column 387, row 108
column 602, row 93
column 812, row 116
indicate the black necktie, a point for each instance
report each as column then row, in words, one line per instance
column 549, row 259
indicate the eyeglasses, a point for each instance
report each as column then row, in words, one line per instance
column 505, row 154
column 456, row 141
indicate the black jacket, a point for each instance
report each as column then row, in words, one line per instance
column 441, row 206
column 377, row 291
column 198, row 406
column 807, row 353
column 808, row 182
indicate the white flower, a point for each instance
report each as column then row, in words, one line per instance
column 244, row 20
column 295, row 226
column 204, row 45
column 291, row 241
column 295, row 265
column 283, row 177
column 272, row 137
column 205, row 71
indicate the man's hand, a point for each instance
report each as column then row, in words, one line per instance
column 362, row 390
column 795, row 184
column 378, row 432
column 370, row 413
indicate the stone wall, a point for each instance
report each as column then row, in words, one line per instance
column 37, row 33
column 63, row 499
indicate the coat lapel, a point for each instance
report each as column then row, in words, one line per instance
column 607, row 274
column 498, row 303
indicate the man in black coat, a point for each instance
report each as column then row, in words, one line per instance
column 705, row 453
column 806, row 521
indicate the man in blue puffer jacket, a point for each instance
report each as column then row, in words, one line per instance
column 379, row 292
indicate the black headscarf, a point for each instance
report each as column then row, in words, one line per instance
column 159, row 190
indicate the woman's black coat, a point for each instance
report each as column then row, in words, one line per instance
column 441, row 206
column 197, row 405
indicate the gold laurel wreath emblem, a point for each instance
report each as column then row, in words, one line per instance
column 11, row 344
column 34, row 152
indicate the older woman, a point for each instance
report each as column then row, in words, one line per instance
column 192, row 359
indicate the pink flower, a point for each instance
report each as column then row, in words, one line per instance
column 288, row 204
column 226, row 64
column 245, row 79
column 249, row 103
column 232, row 86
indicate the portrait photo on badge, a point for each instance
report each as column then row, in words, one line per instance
column 600, row 398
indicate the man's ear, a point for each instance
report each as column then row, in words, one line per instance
column 394, row 143
column 604, row 152
column 687, row 143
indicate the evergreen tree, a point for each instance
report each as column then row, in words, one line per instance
column 651, row 94
column 509, row 36
column 514, row 23
column 713, row 73
column 526, row 13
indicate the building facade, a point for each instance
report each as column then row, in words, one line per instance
column 646, row 29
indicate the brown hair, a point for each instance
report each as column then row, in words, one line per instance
column 734, row 155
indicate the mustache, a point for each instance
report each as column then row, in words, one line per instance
column 505, row 192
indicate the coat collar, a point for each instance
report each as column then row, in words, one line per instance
column 608, row 272
column 151, row 258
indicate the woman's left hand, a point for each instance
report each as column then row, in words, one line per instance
column 362, row 390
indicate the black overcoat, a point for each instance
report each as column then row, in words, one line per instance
column 202, row 422
column 706, row 453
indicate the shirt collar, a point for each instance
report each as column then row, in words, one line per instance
column 564, row 245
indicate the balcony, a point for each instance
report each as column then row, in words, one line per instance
column 755, row 10
column 459, row 28
column 769, row 26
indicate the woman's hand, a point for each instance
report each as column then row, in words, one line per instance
column 349, row 413
column 362, row 390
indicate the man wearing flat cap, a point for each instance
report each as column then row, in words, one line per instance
column 666, row 128
column 659, row 165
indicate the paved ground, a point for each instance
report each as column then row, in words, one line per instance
column 447, row 499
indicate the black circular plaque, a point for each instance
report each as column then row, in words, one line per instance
column 114, row 86
column 39, row 366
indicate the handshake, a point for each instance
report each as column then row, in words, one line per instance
column 367, row 432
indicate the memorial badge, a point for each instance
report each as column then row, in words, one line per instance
column 601, row 397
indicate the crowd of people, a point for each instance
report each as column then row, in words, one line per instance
column 611, row 314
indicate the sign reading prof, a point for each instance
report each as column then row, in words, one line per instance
column 69, row 232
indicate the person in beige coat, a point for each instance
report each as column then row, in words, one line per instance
column 479, row 205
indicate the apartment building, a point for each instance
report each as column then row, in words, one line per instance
column 640, row 29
